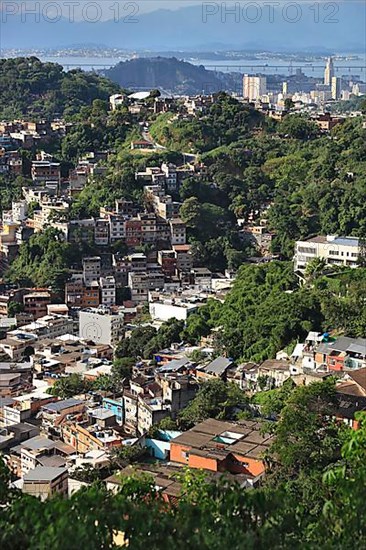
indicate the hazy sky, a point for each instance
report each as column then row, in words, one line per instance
column 108, row 8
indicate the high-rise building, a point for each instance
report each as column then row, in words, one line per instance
column 254, row 86
column 329, row 72
column 336, row 84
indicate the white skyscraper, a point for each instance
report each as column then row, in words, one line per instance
column 336, row 84
column 329, row 72
column 254, row 87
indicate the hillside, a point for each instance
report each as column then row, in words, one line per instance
column 29, row 87
column 169, row 74
column 225, row 122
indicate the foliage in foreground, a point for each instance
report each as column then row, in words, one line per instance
column 208, row 516
column 313, row 497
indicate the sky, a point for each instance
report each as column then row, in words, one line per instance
column 335, row 25
column 106, row 9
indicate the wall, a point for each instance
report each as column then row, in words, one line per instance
column 158, row 449
column 166, row 311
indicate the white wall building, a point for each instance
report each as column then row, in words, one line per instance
column 333, row 249
column 91, row 269
column 19, row 210
column 165, row 310
column 107, row 291
column 100, row 326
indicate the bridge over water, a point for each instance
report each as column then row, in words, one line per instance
column 240, row 67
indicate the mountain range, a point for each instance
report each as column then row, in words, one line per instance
column 338, row 26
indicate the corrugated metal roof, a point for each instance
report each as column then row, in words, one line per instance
column 345, row 241
column 58, row 406
column 44, row 473
column 218, row 366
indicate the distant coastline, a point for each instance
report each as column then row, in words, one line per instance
column 97, row 59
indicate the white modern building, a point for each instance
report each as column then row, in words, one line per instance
column 333, row 249
column 329, row 72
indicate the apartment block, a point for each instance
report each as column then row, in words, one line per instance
column 117, row 227
column 254, row 86
column 148, row 228
column 168, row 261
column 177, row 231
column 184, row 257
column 35, row 303
column 107, row 291
column 45, row 170
column 133, row 232
column 101, row 232
column 91, row 269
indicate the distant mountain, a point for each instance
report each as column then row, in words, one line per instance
column 337, row 26
column 170, row 74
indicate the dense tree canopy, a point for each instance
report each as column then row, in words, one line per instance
column 267, row 310
column 215, row 399
column 29, row 88
column 43, row 260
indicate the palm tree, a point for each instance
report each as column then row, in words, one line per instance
column 315, row 268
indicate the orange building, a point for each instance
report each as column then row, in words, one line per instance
column 235, row 447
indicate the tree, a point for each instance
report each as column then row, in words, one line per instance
column 155, row 93
column 122, row 369
column 106, row 382
column 272, row 402
column 306, row 438
column 126, row 454
column 196, row 328
column 344, row 483
column 197, row 356
column 210, row 513
column 69, row 386
column 135, row 345
column 215, row 399
column 14, row 308
column 43, row 260
column 5, row 479
column 88, row 474
column 315, row 268
column 289, row 104
column 265, row 311
column 299, row 127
